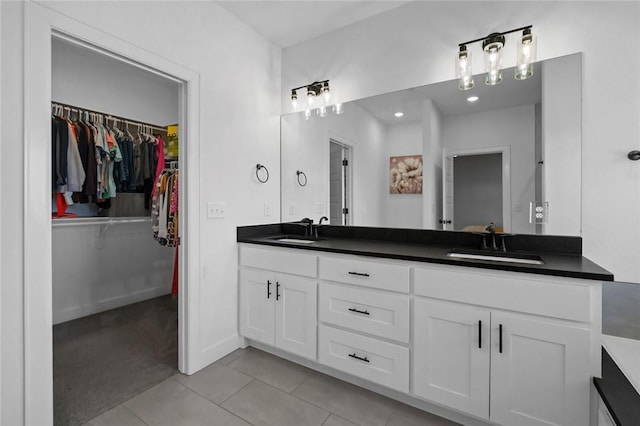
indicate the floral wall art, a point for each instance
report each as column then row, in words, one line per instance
column 405, row 174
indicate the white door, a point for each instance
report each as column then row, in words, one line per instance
column 447, row 193
column 257, row 297
column 295, row 315
column 339, row 183
column 451, row 355
column 539, row 373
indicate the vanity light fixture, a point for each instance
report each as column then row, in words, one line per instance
column 399, row 114
column 492, row 46
column 318, row 95
column 472, row 98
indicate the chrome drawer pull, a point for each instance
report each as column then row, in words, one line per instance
column 359, row 312
column 353, row 355
column 360, row 274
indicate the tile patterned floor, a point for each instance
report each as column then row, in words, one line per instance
column 251, row 387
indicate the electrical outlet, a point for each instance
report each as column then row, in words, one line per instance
column 539, row 212
column 292, row 209
column 267, row 209
column 215, row 210
column 319, row 208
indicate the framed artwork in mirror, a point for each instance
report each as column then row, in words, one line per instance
column 405, row 174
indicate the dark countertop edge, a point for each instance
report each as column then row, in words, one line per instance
column 529, row 269
column 618, row 394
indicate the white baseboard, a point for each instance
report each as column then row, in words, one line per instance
column 214, row 352
column 75, row 312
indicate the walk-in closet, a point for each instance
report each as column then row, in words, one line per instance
column 115, row 211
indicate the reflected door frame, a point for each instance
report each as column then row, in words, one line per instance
column 346, row 183
column 448, row 179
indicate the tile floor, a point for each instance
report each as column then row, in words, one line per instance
column 251, row 387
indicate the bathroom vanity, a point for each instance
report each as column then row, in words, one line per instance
column 500, row 341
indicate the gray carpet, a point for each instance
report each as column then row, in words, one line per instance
column 102, row 360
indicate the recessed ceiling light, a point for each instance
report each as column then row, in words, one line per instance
column 399, row 114
column 472, row 98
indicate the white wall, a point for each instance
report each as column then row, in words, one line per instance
column 305, row 146
column 89, row 79
column 512, row 127
column 432, row 166
column 239, row 111
column 402, row 210
column 560, row 113
column 415, row 45
column 100, row 267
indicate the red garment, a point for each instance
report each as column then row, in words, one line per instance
column 174, row 284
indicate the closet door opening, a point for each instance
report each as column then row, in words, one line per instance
column 117, row 176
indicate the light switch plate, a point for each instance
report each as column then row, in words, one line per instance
column 215, row 210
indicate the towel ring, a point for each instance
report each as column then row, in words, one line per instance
column 258, row 167
column 298, row 172
column 633, row 155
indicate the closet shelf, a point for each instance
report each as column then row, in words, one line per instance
column 98, row 221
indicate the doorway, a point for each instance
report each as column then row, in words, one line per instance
column 339, row 183
column 115, row 330
column 37, row 266
column 476, row 189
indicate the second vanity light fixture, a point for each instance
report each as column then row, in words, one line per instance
column 492, row 46
column 318, row 96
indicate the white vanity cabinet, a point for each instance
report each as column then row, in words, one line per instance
column 279, row 308
column 364, row 315
column 474, row 354
column 508, row 348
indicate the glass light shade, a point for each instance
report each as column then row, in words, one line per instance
column 338, row 109
column 326, row 93
column 463, row 70
column 307, row 114
column 294, row 100
column 322, row 111
column 493, row 63
column 311, row 99
column 526, row 56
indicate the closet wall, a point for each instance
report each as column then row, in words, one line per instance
column 102, row 266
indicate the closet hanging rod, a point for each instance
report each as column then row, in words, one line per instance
column 109, row 116
column 98, row 221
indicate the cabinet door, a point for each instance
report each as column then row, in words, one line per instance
column 296, row 311
column 451, row 355
column 257, row 305
column 541, row 376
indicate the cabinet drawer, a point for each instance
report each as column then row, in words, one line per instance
column 379, row 362
column 553, row 297
column 370, row 311
column 275, row 259
column 370, row 274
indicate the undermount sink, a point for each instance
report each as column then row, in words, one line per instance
column 527, row 259
column 295, row 240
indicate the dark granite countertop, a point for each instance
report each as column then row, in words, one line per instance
column 619, row 395
column 562, row 256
